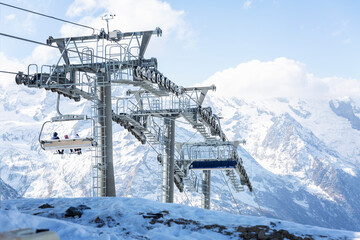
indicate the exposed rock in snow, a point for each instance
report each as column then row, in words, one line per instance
column 345, row 109
column 135, row 218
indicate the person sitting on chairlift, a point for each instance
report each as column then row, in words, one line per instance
column 56, row 137
column 77, row 150
column 67, row 137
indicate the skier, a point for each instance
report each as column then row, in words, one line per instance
column 67, row 137
column 56, row 137
column 77, row 150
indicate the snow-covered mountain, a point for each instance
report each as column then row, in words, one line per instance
column 301, row 156
column 7, row 192
column 309, row 148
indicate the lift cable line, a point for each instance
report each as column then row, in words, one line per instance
column 25, row 39
column 8, row 72
column 48, row 16
column 227, row 184
column 188, row 199
column 47, row 45
column 257, row 201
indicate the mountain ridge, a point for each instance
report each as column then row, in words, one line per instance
column 317, row 183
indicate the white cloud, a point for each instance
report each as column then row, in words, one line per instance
column 78, row 7
column 281, row 77
column 29, row 23
column 130, row 16
column 247, row 4
column 346, row 41
column 40, row 56
column 43, row 55
column 9, row 65
column 10, row 17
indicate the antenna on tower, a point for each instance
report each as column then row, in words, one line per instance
column 107, row 17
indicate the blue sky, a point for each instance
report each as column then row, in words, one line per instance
column 212, row 36
column 322, row 34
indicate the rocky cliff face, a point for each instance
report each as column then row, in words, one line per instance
column 7, row 192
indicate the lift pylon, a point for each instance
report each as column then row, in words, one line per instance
column 150, row 105
column 87, row 68
column 90, row 66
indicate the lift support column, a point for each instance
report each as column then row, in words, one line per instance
column 168, row 160
column 205, row 189
column 106, row 180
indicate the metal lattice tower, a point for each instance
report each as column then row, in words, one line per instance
column 132, row 111
column 90, row 66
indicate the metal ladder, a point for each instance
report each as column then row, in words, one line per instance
column 191, row 183
column 234, row 180
column 200, row 127
column 99, row 165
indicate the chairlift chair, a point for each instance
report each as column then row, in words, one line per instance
column 74, row 143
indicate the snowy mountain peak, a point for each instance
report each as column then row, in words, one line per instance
column 300, row 157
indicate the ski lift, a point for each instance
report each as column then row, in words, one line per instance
column 72, row 143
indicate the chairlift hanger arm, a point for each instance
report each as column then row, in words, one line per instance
column 42, row 128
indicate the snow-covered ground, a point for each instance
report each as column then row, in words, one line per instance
column 136, row 218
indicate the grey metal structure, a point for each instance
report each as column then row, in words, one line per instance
column 214, row 155
column 142, row 111
column 89, row 67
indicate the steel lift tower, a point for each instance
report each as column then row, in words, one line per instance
column 89, row 67
column 143, row 113
column 151, row 117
